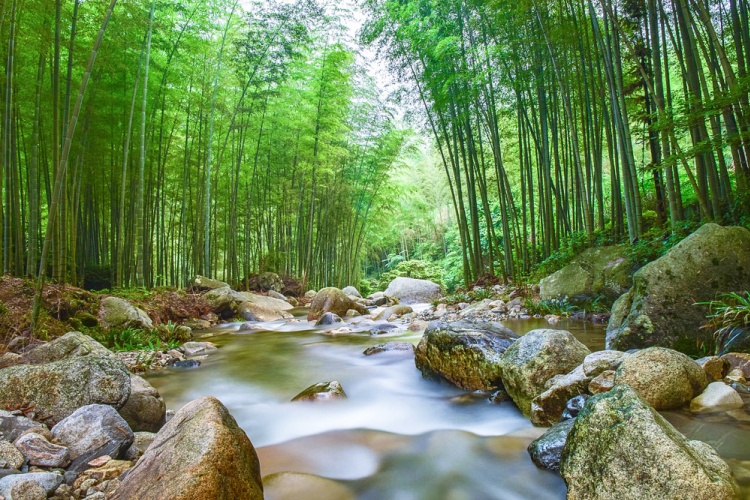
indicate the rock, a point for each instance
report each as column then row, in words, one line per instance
column 413, row 291
column 323, row 391
column 595, row 272
column 397, row 310
column 28, row 490
column 732, row 339
column 715, row 367
column 202, row 283
column 201, row 453
column 738, row 360
column 620, row 447
column 70, row 345
column 145, row 409
column 328, row 318
column 10, row 456
column 465, row 354
column 666, row 379
column 12, row 426
column 662, row 308
column 143, row 440
column 389, row 347
column 198, row 324
column 59, row 388
column 352, row 292
column 735, row 375
column 418, row 326
column 332, row 300
column 546, row 450
column 93, row 431
column 253, row 312
column 603, row 382
column 274, row 304
column 476, row 307
column 47, row 480
column 188, row 363
column 534, row 359
column 574, row 406
column 276, row 295
column 119, row 313
column 195, row 348
column 41, row 452
column 351, row 313
column 310, row 294
column 600, row 361
column 301, row 485
column 548, row 407
column 10, row 359
column 382, row 328
column 268, row 281
column 223, row 301
column 111, row 469
column 717, row 397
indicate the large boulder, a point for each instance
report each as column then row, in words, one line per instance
column 223, row 301
column 620, row 447
column 665, row 378
column 70, row 345
column 200, row 454
column 463, row 353
column 534, row 359
column 595, row 272
column 115, row 312
column 663, row 306
column 93, row 431
column 144, row 410
column 333, row 300
column 202, row 283
column 413, row 291
column 267, row 302
column 253, row 312
column 58, row 389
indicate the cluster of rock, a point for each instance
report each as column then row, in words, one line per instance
column 80, row 421
column 601, row 406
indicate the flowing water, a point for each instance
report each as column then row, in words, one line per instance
column 396, row 436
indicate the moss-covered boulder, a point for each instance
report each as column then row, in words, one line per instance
column 534, row 359
column 202, row 283
column 665, row 378
column 620, row 447
column 70, row 345
column 58, row 389
column 465, row 354
column 598, row 271
column 333, row 300
column 115, row 312
column 200, row 454
column 661, row 309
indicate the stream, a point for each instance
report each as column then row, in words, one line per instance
column 397, row 436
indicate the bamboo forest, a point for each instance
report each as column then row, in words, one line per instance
column 504, row 244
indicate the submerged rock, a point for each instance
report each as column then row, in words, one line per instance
column 58, row 389
column 534, row 359
column 201, row 453
column 389, row 347
column 620, row 447
column 666, row 379
column 332, row 300
column 323, row 391
column 546, row 450
column 393, row 311
column 465, row 354
column 661, row 309
column 413, row 291
column 328, row 318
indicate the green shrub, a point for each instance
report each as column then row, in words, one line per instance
column 133, row 339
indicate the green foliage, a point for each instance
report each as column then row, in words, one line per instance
column 731, row 310
column 655, row 243
column 470, row 296
column 134, row 339
column 419, row 269
column 559, row 307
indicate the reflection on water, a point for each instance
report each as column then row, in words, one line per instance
column 397, row 436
